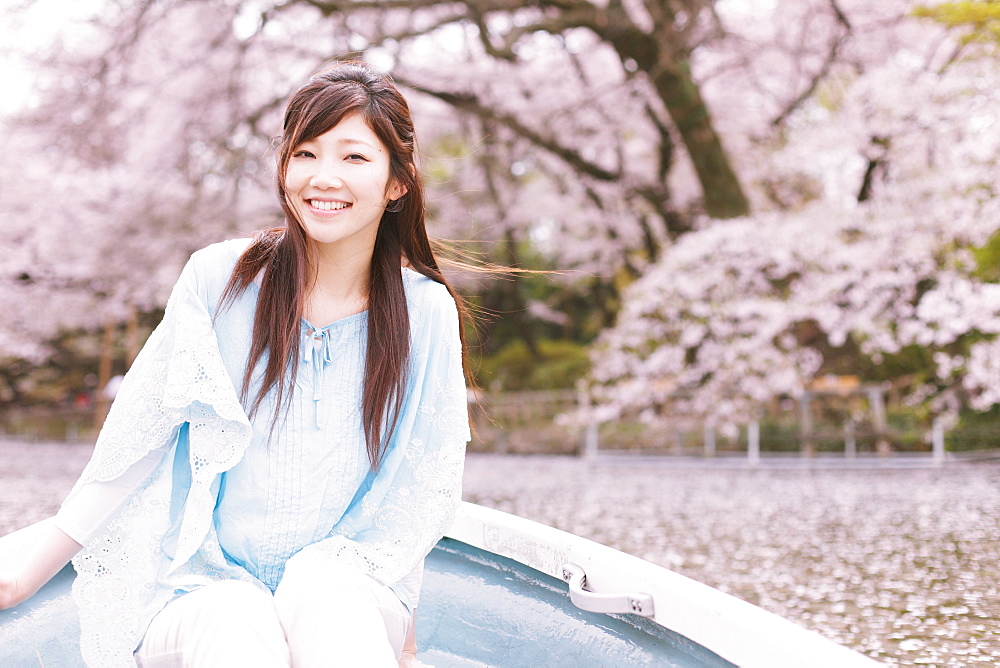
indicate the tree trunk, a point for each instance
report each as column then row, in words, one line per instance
column 101, row 401
column 723, row 194
column 670, row 73
column 131, row 336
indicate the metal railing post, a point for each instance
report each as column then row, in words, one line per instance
column 591, row 442
column 709, row 439
column 753, row 443
column 937, row 442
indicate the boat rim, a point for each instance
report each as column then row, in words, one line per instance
column 736, row 630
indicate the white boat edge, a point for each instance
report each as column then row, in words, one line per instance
column 739, row 632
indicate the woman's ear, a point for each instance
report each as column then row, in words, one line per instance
column 396, row 190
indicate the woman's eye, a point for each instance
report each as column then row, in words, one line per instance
column 357, row 157
column 303, row 154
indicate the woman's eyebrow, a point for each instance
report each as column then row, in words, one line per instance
column 348, row 140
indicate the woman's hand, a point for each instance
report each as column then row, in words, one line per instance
column 408, row 659
column 10, row 590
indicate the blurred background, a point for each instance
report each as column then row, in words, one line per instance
column 769, row 210
column 763, row 228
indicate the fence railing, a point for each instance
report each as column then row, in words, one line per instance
column 67, row 424
column 533, row 423
column 529, row 422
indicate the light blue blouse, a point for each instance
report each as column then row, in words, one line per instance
column 235, row 505
column 286, row 495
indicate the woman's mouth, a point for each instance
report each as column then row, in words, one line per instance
column 325, row 205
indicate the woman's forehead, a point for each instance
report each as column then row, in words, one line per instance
column 352, row 129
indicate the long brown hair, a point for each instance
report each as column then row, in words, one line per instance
column 283, row 253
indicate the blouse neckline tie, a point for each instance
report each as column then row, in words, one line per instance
column 317, row 351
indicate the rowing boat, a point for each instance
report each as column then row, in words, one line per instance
column 500, row 590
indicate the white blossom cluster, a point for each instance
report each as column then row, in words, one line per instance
column 108, row 186
column 149, row 138
column 570, row 93
column 740, row 311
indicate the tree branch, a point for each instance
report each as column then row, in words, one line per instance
column 824, row 70
column 469, row 103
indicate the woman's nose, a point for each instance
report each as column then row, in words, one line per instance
column 326, row 176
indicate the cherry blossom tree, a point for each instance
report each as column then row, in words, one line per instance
column 621, row 142
column 124, row 162
column 570, row 119
column 869, row 251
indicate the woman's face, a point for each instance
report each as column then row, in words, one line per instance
column 339, row 184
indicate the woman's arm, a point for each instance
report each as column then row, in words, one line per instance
column 90, row 507
column 40, row 563
column 85, row 513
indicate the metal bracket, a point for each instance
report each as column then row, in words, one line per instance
column 636, row 604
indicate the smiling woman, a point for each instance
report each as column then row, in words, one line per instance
column 284, row 519
column 338, row 186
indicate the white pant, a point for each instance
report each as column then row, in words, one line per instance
column 321, row 615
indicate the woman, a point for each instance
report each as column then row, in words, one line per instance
column 288, row 446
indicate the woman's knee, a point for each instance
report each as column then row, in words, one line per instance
column 315, row 579
column 232, row 602
column 223, row 624
column 339, row 604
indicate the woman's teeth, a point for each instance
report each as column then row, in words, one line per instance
column 327, row 206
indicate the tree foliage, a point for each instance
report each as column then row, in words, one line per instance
column 873, row 269
column 549, row 126
column 755, row 193
column 977, row 20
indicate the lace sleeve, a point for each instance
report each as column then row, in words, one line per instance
column 90, row 508
column 179, row 377
column 401, row 511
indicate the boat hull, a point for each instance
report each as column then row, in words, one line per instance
column 500, row 590
column 45, row 630
column 482, row 609
column 477, row 609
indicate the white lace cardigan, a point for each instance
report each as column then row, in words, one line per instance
column 179, row 396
